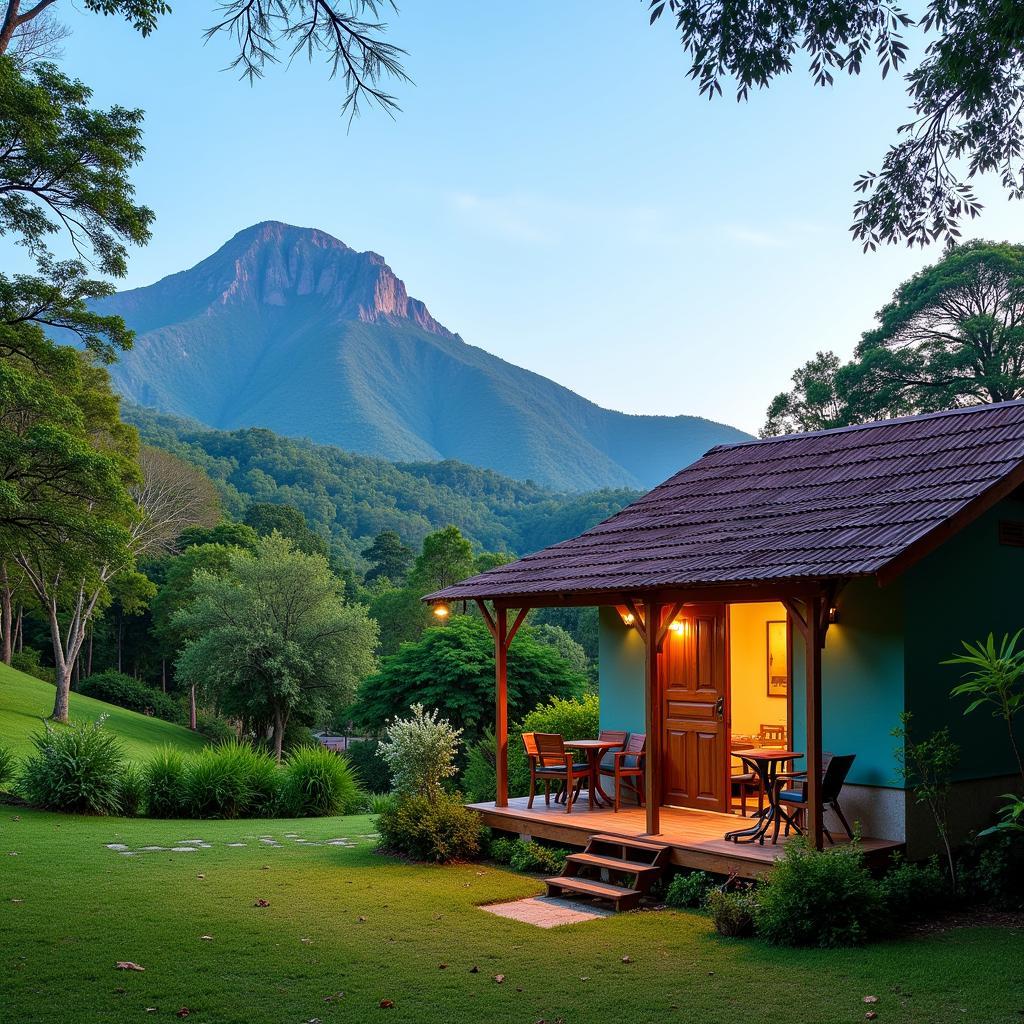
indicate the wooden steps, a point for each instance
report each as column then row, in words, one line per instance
column 629, row 867
column 623, row 898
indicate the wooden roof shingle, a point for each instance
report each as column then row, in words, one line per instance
column 820, row 506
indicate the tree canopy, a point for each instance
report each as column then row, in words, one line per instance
column 965, row 92
column 270, row 639
column 952, row 335
column 450, row 669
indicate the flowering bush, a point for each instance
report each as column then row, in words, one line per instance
column 420, row 753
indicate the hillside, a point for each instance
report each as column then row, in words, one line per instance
column 290, row 329
column 350, row 498
column 25, row 700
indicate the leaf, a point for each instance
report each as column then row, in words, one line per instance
column 128, row 965
column 499, row 978
column 262, row 903
column 183, row 1012
column 627, row 959
column 870, row 999
column 206, row 938
column 387, row 1004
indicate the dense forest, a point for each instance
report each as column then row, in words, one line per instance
column 348, row 499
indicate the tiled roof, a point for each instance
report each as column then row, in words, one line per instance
column 827, row 505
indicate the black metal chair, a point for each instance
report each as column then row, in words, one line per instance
column 792, row 791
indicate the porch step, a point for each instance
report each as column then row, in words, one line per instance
column 621, row 897
column 595, row 860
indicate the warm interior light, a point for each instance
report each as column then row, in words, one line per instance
column 441, row 611
column 833, row 614
column 677, row 626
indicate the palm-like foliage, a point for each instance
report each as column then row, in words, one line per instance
column 994, row 678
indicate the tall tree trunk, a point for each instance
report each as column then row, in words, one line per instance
column 192, row 708
column 19, row 632
column 163, row 674
column 278, row 733
column 6, row 615
column 88, row 658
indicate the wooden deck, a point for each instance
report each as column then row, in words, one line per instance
column 696, row 837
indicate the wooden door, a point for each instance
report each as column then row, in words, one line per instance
column 692, row 681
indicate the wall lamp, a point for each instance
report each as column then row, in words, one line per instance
column 441, row 611
column 833, row 615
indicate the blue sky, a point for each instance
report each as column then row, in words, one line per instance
column 554, row 189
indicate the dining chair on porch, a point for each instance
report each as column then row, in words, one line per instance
column 792, row 791
column 549, row 763
column 627, row 767
column 744, row 783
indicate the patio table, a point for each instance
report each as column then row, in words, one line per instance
column 766, row 765
column 595, row 750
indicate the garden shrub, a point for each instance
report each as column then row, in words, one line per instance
column 819, row 898
column 27, row 660
column 319, row 782
column 420, row 753
column 75, row 768
column 479, row 777
column 441, row 829
column 529, row 856
column 215, row 728
column 378, row 803
column 8, row 765
column 370, row 767
column 993, row 870
column 165, row 778
column 133, row 694
column 131, row 790
column 911, row 891
column 689, row 889
column 231, row 781
column 733, row 911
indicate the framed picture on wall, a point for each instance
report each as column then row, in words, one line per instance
column 778, row 660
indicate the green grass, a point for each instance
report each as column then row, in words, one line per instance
column 349, row 920
column 24, row 700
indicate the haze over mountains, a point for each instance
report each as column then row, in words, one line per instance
column 290, row 329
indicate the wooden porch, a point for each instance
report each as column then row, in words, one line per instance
column 696, row 837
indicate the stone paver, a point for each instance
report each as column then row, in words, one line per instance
column 545, row 912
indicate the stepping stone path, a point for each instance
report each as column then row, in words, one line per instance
column 545, row 912
column 191, row 845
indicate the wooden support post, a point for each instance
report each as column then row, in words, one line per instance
column 814, row 636
column 652, row 699
column 501, row 706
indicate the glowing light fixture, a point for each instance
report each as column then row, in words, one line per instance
column 628, row 618
column 678, row 626
column 833, row 614
column 441, row 611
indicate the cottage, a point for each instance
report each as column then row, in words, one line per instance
column 804, row 588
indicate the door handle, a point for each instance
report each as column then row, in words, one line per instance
column 720, row 708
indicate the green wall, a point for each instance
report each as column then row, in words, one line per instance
column 861, row 682
column 969, row 587
column 620, row 674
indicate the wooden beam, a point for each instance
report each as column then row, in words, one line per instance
column 519, row 620
column 501, row 708
column 667, row 624
column 638, row 618
column 486, row 613
column 797, row 615
column 652, row 702
column 813, row 643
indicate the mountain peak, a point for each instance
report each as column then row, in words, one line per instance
column 276, row 264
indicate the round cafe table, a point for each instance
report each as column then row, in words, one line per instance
column 595, row 750
column 766, row 764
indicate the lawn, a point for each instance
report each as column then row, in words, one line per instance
column 344, row 919
column 24, row 700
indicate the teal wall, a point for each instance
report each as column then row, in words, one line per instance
column 861, row 682
column 969, row 587
column 620, row 674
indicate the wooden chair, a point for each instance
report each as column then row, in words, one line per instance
column 746, row 783
column 774, row 736
column 627, row 767
column 616, row 736
column 792, row 790
column 549, row 763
